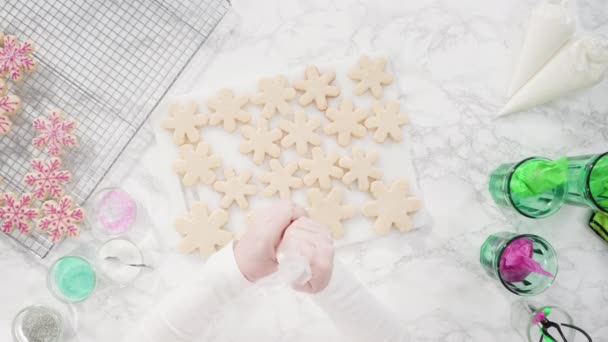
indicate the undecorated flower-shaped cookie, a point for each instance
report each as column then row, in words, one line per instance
column 54, row 132
column 17, row 212
column 61, row 218
column 202, row 231
column 235, row 188
column 346, row 122
column 387, row 121
column 227, row 108
column 371, row 76
column 300, row 132
column 281, row 179
column 316, row 87
column 329, row 210
column 274, row 94
column 197, row 164
column 261, row 141
column 9, row 105
column 15, row 58
column 360, row 168
column 185, row 122
column 321, row 168
column 391, row 207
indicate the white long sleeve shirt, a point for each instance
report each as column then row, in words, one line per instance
column 184, row 313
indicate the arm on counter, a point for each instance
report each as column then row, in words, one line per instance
column 182, row 315
column 352, row 308
column 356, row 312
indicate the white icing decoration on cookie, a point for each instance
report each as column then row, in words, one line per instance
column 300, row 132
column 391, row 207
column 345, row 122
column 316, row 87
column 261, row 141
column 196, row 164
column 321, row 168
column 281, row 179
column 329, row 210
column 360, row 167
column 371, row 76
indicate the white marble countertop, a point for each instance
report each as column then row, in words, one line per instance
column 453, row 60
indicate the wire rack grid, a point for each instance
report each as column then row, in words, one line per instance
column 107, row 64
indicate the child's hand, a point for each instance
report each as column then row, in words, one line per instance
column 313, row 241
column 255, row 252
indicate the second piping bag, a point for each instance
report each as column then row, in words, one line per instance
column 580, row 64
column 550, row 27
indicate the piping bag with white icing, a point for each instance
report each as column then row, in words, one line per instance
column 580, row 64
column 293, row 268
column 550, row 27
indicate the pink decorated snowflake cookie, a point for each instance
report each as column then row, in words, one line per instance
column 9, row 105
column 47, row 180
column 15, row 58
column 61, row 218
column 16, row 212
column 54, row 132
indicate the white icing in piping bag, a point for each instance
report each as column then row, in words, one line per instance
column 580, row 64
column 551, row 26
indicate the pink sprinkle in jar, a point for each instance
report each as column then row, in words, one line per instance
column 112, row 212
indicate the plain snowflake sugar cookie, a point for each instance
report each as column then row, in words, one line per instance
column 321, row 168
column 17, row 212
column 227, row 108
column 54, row 132
column 387, row 121
column 345, row 122
column 391, row 206
column 9, row 105
column 46, row 179
column 371, row 76
column 360, row 167
column 316, row 87
column 281, row 179
column 185, row 122
column 202, row 230
column 261, row 141
column 300, row 132
column 329, row 210
column 274, row 94
column 235, row 188
column 196, row 164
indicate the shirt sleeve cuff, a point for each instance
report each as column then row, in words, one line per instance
column 224, row 265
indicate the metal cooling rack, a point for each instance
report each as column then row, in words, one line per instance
column 105, row 63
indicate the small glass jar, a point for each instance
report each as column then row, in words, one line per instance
column 535, row 207
column 37, row 323
column 113, row 259
column 111, row 213
column 531, row 284
column 588, row 181
column 71, row 279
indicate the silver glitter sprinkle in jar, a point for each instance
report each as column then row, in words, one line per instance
column 37, row 324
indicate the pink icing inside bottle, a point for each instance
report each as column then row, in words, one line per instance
column 116, row 212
